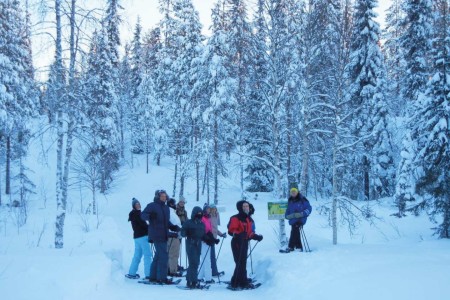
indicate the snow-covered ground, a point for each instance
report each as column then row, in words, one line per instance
column 393, row 259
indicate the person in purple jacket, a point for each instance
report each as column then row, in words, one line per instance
column 297, row 212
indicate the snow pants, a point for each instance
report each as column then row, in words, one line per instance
column 294, row 240
column 158, row 270
column 174, row 254
column 239, row 246
column 193, row 250
column 141, row 248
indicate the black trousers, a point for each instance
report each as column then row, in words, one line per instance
column 239, row 246
column 193, row 249
column 294, row 239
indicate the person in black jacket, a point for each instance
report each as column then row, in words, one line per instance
column 141, row 245
column 157, row 216
column 194, row 231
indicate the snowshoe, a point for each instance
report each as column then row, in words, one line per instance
column 136, row 276
column 287, row 250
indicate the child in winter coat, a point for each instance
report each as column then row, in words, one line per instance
column 141, row 245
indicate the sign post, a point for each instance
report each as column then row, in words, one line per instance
column 276, row 211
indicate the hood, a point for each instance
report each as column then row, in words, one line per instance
column 239, row 205
column 195, row 211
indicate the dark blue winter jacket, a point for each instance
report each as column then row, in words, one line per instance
column 298, row 210
column 158, row 215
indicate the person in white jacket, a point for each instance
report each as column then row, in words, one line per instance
column 173, row 244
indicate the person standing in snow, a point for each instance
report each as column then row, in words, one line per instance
column 297, row 213
column 240, row 228
column 157, row 216
column 205, row 271
column 141, row 245
column 194, row 231
column 215, row 222
column 181, row 210
column 174, row 240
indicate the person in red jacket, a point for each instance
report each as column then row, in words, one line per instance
column 240, row 228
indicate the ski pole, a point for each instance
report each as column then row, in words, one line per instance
column 303, row 235
column 257, row 242
column 251, row 259
column 220, row 248
column 206, row 254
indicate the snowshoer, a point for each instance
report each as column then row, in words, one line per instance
column 215, row 222
column 174, row 240
column 181, row 210
column 240, row 228
column 141, row 245
column 194, row 231
column 205, row 271
column 157, row 216
column 297, row 213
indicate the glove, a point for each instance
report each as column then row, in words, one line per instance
column 257, row 237
column 152, row 215
column 298, row 215
column 224, row 235
column 216, row 241
column 150, row 241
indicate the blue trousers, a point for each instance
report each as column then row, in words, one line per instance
column 160, row 263
column 141, row 248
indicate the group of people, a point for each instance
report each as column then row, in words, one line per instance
column 163, row 223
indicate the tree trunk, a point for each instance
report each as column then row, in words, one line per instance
column 197, row 175
column 8, row 166
column 175, row 175
column 366, row 167
column 60, row 204
column 216, row 162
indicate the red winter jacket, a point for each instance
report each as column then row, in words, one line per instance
column 240, row 223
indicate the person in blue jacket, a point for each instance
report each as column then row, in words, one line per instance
column 297, row 213
column 157, row 216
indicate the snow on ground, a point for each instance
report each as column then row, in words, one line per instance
column 395, row 259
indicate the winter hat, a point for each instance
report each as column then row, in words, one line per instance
column 171, row 203
column 239, row 205
column 212, row 205
column 182, row 199
column 294, row 190
column 134, row 201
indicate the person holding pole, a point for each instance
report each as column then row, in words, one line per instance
column 240, row 228
column 297, row 213
column 205, row 272
column 215, row 222
column 194, row 231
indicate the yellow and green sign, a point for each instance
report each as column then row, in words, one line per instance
column 276, row 210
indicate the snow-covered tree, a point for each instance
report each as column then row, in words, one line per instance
column 365, row 73
column 415, row 42
column 431, row 128
column 101, row 111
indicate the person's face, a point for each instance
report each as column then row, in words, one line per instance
column 137, row 206
column 163, row 197
column 181, row 204
column 246, row 208
column 294, row 193
column 208, row 210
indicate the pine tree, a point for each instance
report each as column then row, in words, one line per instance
column 137, row 138
column 431, row 128
column 101, row 112
column 221, row 99
column 17, row 94
column 365, row 75
column 415, row 42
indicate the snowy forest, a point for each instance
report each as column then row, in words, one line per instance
column 307, row 93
